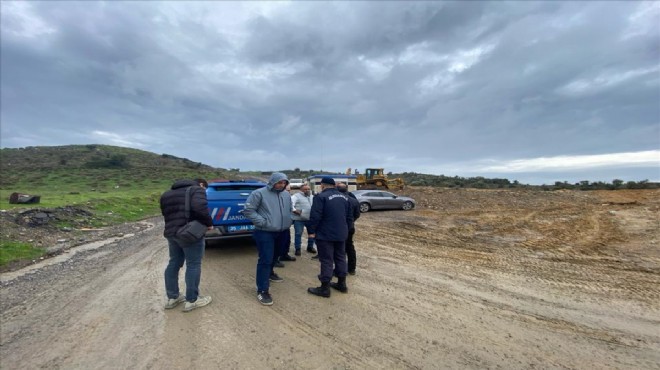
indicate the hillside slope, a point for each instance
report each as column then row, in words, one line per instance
column 90, row 156
column 93, row 163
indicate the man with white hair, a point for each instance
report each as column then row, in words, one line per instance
column 302, row 207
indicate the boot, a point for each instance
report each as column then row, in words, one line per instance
column 322, row 291
column 340, row 285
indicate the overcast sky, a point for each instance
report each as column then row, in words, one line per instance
column 531, row 91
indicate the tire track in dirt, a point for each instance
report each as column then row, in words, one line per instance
column 75, row 321
column 568, row 252
column 584, row 264
column 300, row 332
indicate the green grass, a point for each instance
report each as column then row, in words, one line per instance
column 125, row 208
column 11, row 251
column 128, row 191
column 111, row 207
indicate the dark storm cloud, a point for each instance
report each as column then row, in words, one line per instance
column 460, row 88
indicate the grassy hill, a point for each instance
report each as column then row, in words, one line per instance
column 80, row 158
column 100, row 177
column 111, row 184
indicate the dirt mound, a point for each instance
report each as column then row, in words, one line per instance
column 43, row 217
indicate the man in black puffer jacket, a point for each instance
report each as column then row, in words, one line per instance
column 173, row 208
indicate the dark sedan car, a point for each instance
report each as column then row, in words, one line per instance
column 378, row 199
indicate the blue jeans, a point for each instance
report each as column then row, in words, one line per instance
column 298, row 227
column 192, row 255
column 266, row 242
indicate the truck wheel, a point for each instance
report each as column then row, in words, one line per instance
column 364, row 207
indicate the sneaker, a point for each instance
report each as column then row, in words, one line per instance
column 278, row 264
column 286, row 257
column 264, row 298
column 298, row 252
column 311, row 250
column 173, row 302
column 351, row 272
column 200, row 302
column 275, row 278
column 315, row 257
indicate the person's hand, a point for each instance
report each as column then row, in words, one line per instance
column 210, row 228
column 311, row 235
column 297, row 211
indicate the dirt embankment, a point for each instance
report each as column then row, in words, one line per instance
column 55, row 230
column 470, row 279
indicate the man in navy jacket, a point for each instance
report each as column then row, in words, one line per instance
column 330, row 220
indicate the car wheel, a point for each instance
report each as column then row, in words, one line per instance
column 407, row 206
column 364, row 207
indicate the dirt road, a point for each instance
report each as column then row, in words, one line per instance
column 470, row 279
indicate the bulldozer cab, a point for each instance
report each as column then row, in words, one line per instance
column 371, row 173
column 375, row 178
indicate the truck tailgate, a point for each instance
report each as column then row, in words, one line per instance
column 226, row 203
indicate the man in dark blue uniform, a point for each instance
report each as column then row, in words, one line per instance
column 330, row 219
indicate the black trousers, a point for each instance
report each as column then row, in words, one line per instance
column 284, row 244
column 332, row 256
column 350, row 251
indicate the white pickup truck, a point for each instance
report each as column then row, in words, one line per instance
column 296, row 183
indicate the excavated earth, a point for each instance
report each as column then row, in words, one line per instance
column 469, row 279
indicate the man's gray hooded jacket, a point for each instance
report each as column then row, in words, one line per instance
column 270, row 209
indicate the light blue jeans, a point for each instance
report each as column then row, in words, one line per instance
column 192, row 255
column 298, row 227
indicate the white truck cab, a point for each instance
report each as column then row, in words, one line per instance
column 315, row 181
column 295, row 183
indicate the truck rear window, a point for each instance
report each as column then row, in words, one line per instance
column 236, row 187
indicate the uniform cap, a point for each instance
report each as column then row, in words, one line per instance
column 328, row 180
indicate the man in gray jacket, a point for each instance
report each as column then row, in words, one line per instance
column 302, row 206
column 269, row 209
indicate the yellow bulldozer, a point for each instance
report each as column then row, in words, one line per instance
column 375, row 178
